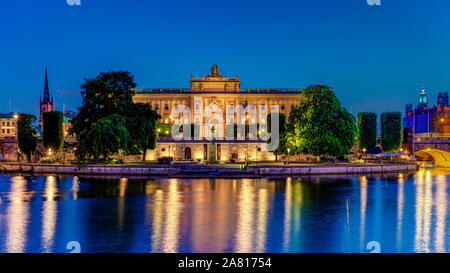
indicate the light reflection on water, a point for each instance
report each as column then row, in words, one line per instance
column 403, row 212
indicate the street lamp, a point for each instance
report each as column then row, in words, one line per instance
column 289, row 150
column 364, row 155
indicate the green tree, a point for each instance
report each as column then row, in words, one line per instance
column 282, row 145
column 112, row 94
column 26, row 135
column 367, row 130
column 106, row 137
column 142, row 126
column 52, row 131
column 391, row 131
column 319, row 125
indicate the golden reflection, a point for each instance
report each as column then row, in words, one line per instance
column 172, row 219
column 157, row 220
column 17, row 216
column 223, row 216
column 441, row 213
column 49, row 214
column 261, row 228
column 246, row 205
column 75, row 188
column 400, row 205
column 123, row 182
column 201, row 214
column 363, row 210
column 287, row 214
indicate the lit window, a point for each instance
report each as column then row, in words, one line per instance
column 263, row 107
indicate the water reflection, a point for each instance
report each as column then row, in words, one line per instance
column 404, row 212
column 17, row 215
column 49, row 214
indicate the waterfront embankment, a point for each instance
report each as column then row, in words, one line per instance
column 192, row 170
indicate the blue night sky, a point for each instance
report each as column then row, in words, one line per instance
column 378, row 55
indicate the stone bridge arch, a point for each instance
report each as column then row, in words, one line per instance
column 441, row 158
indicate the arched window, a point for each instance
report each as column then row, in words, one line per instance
column 187, row 153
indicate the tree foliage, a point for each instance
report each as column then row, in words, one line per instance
column 26, row 134
column 391, row 131
column 319, row 125
column 107, row 136
column 367, row 130
column 52, row 134
column 109, row 98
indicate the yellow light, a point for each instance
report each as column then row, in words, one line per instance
column 442, row 120
column 167, row 132
column 16, row 116
column 159, row 130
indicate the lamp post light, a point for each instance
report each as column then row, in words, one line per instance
column 289, row 151
column 364, row 155
column 442, row 126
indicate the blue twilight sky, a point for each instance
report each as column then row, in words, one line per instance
column 378, row 55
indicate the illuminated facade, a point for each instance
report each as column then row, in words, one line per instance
column 214, row 89
column 7, row 125
column 426, row 121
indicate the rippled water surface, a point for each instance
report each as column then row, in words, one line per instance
column 400, row 212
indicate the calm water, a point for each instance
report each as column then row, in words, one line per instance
column 403, row 212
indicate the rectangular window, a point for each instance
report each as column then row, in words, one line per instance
column 3, row 131
column 156, row 107
column 7, row 131
column 166, row 107
column 8, row 124
column 176, row 107
column 282, row 107
column 263, row 107
column 292, row 107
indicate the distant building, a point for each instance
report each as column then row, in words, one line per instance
column 67, row 123
column 7, row 125
column 46, row 103
column 427, row 121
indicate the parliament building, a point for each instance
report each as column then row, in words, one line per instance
column 224, row 91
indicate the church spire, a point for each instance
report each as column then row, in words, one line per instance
column 46, row 89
